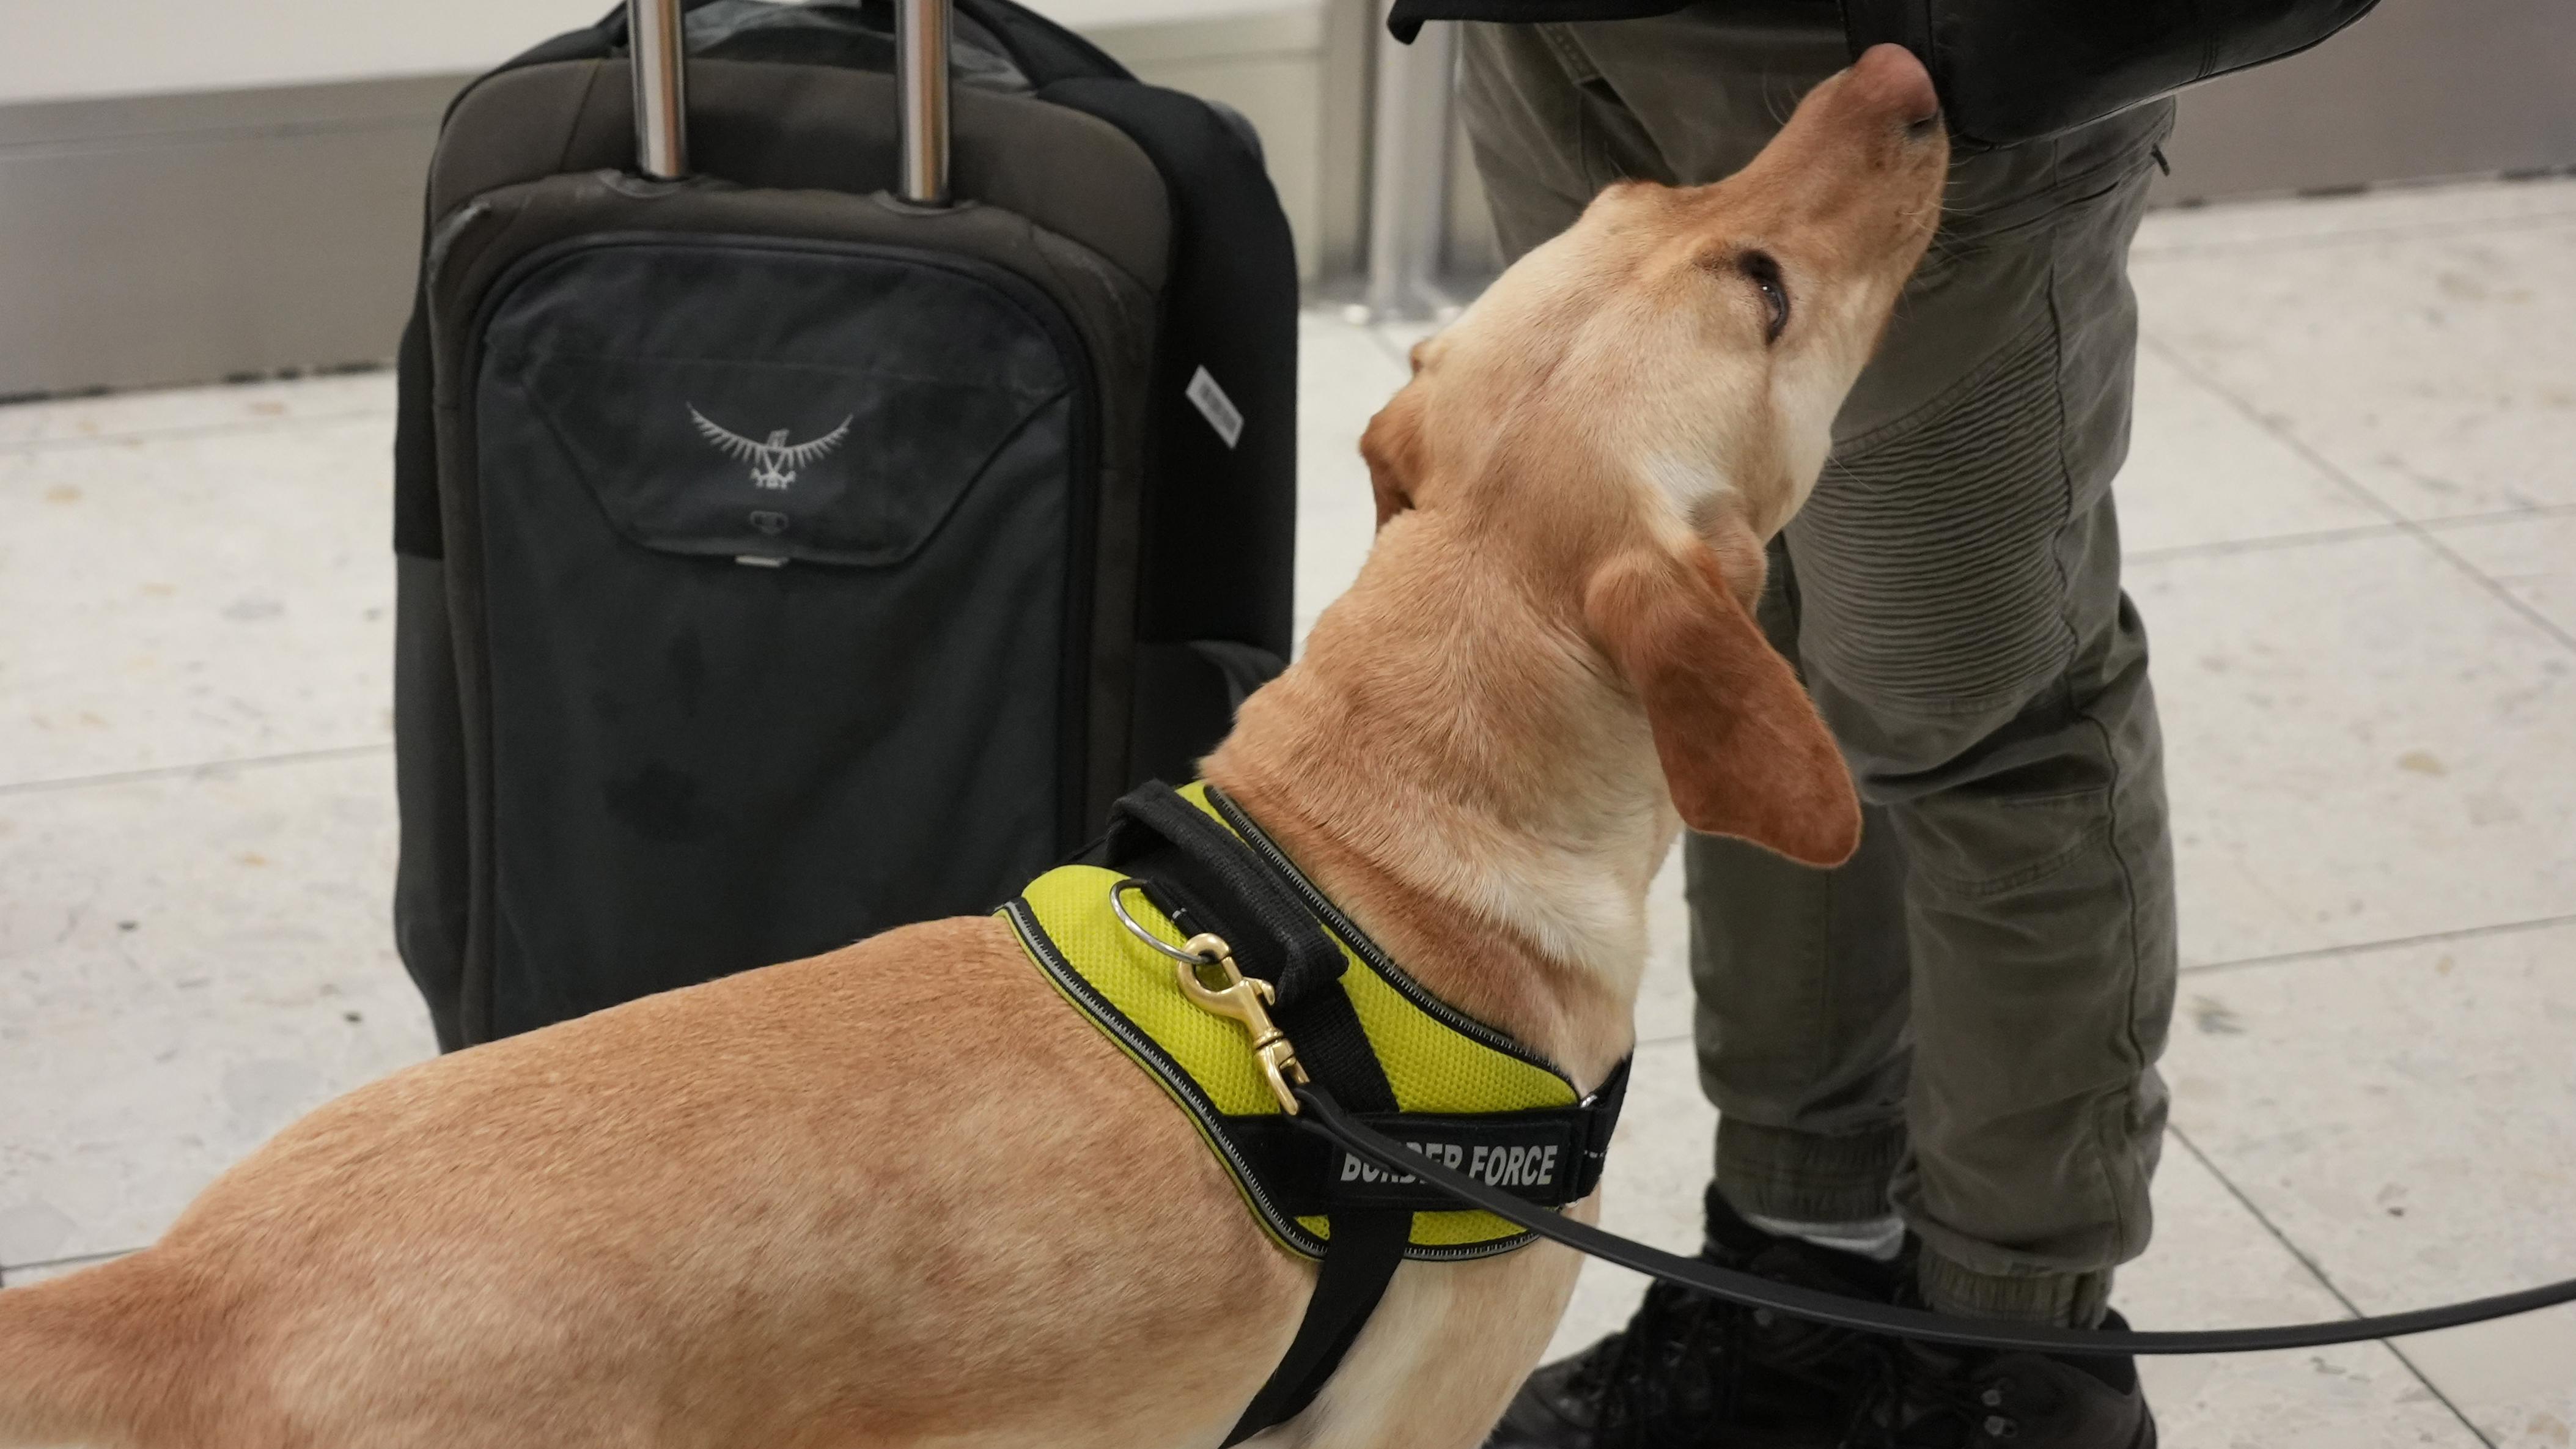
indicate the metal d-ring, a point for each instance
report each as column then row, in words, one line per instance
column 1234, row 996
column 1210, row 949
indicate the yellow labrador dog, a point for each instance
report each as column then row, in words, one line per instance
column 903, row 1194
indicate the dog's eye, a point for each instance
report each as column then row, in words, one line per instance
column 1764, row 274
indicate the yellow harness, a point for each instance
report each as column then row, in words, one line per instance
column 1486, row 1105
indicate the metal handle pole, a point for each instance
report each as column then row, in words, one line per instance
column 661, row 88
column 1409, row 172
column 921, row 78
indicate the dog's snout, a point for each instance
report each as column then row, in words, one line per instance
column 1887, row 80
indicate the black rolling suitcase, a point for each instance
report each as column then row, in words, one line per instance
column 793, row 543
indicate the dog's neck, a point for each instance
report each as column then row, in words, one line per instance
column 1462, row 779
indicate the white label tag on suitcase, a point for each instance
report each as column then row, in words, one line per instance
column 1216, row 407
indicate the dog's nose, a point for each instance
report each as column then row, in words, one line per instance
column 1888, row 79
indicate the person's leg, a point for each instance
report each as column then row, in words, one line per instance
column 1963, row 630
column 1549, row 131
column 1801, row 982
column 1544, row 138
column 1800, row 974
column 1955, row 583
column 1820, row 1039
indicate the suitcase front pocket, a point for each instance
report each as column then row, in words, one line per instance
column 785, row 549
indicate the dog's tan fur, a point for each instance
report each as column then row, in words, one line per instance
column 900, row 1194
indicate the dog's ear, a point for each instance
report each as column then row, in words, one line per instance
column 1743, row 749
column 1392, row 447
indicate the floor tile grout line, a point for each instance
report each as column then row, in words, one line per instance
column 2390, row 943
column 73, row 1261
column 2224, row 548
column 2382, row 506
column 2494, row 587
column 2308, row 953
column 2501, row 515
column 40, row 447
column 2317, row 1271
column 165, row 772
column 2303, row 538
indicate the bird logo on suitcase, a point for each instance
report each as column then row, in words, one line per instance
column 774, row 464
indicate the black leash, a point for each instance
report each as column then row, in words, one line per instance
column 1215, row 876
column 1327, row 1119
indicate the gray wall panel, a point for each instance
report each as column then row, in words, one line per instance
column 2415, row 89
column 183, row 238
column 169, row 239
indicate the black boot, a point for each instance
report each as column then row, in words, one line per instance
column 1934, row 1397
column 1689, row 1371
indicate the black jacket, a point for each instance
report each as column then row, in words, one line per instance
column 2013, row 70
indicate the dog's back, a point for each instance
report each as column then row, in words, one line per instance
column 93, row 1359
column 838, row 1201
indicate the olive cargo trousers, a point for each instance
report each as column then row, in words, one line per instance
column 1964, row 1020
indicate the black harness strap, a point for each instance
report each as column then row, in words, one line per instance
column 1549, row 1157
column 1223, row 886
column 1192, row 851
column 1367, row 1246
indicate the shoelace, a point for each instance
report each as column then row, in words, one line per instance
column 1674, row 1373
column 1678, row 1376
column 1955, row 1411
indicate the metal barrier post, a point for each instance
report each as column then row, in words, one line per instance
column 1409, row 173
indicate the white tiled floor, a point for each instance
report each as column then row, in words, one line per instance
column 2351, row 509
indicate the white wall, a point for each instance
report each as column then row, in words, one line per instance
column 1087, row 15
column 56, row 49
column 59, row 49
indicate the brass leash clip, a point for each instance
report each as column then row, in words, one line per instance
column 1245, row 999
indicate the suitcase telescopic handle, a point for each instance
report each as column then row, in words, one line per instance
column 921, row 84
column 661, row 88
column 921, row 87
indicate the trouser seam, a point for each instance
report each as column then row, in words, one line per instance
column 2066, row 602
column 2067, row 193
column 2134, row 1050
column 1594, row 164
column 1987, row 888
column 1579, row 68
column 2105, row 1176
column 2005, row 353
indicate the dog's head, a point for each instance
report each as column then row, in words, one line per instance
column 1631, row 412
